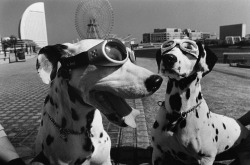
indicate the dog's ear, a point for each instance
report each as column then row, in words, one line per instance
column 207, row 58
column 211, row 59
column 47, row 61
column 158, row 59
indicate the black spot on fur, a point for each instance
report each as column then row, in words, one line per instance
column 213, row 125
column 188, row 93
column 56, row 105
column 64, row 122
column 80, row 161
column 74, row 95
column 51, row 101
column 49, row 140
column 183, row 83
column 175, row 102
column 226, row 147
column 74, row 114
column 208, row 115
column 90, row 117
column 197, row 114
column 101, row 135
column 156, row 124
column 216, row 138
column 199, row 96
column 224, row 126
column 216, row 131
column 46, row 99
column 42, row 122
column 153, row 138
column 183, row 123
column 169, row 86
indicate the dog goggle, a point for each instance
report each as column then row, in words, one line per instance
column 110, row 52
column 187, row 46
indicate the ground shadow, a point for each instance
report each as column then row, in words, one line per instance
column 137, row 156
column 131, row 155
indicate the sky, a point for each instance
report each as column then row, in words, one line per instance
column 133, row 17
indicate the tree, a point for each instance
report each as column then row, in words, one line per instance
column 5, row 44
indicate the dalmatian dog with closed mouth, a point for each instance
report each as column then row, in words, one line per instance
column 84, row 77
column 185, row 128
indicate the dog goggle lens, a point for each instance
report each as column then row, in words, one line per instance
column 186, row 46
column 110, row 52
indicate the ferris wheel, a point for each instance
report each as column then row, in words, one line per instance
column 94, row 19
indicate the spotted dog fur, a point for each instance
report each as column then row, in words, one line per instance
column 71, row 130
column 201, row 134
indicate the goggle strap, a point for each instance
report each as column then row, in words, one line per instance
column 80, row 59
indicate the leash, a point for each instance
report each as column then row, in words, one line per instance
column 179, row 115
column 64, row 132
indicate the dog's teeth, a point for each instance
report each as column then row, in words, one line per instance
column 130, row 118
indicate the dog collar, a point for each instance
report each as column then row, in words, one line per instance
column 64, row 132
column 176, row 117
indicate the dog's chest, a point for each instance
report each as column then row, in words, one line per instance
column 68, row 127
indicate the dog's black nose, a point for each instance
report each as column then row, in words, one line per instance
column 169, row 60
column 153, row 83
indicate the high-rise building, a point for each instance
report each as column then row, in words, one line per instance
column 232, row 30
column 33, row 24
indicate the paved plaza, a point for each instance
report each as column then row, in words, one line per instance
column 21, row 97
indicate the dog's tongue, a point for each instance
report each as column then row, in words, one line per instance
column 130, row 118
column 123, row 109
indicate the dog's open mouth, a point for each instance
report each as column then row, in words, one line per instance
column 115, row 108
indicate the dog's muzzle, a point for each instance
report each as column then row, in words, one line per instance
column 169, row 60
column 116, row 109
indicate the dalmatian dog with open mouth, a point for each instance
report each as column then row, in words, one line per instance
column 185, row 128
column 84, row 77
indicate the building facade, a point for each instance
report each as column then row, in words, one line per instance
column 33, row 24
column 161, row 35
column 232, row 30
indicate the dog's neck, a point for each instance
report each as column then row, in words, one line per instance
column 184, row 94
column 66, row 107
